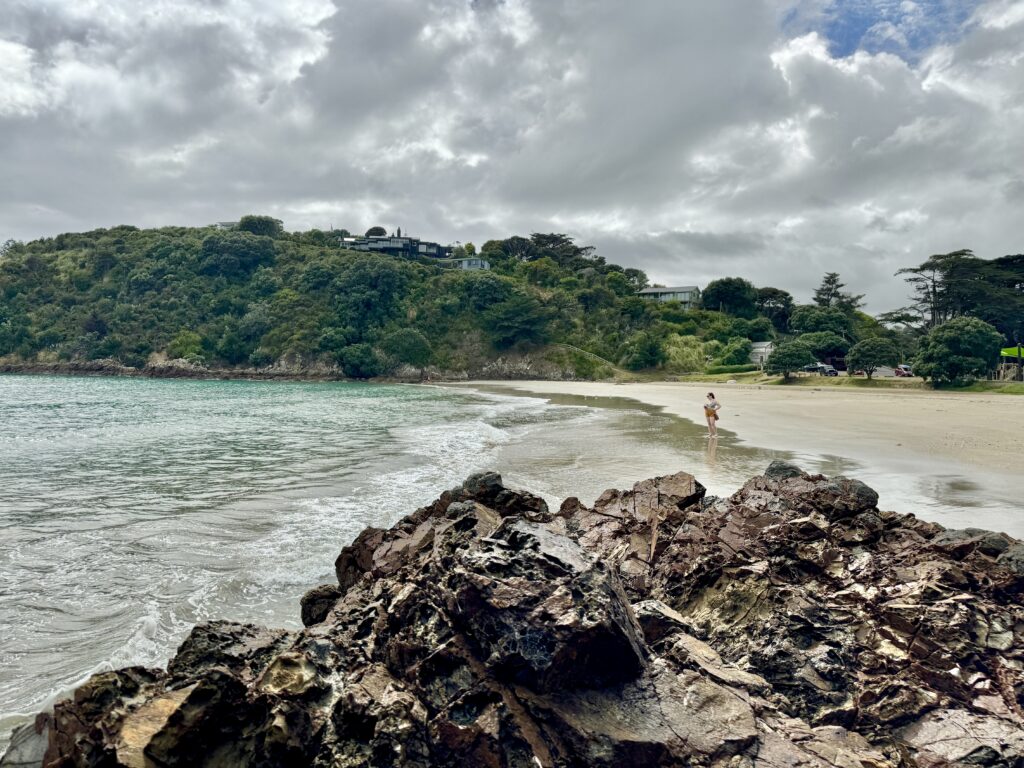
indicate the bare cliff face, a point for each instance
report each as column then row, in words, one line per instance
column 793, row 624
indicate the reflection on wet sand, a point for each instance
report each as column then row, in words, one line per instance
column 634, row 441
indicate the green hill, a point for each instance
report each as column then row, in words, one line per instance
column 239, row 298
column 254, row 296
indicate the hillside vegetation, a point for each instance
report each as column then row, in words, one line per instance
column 257, row 295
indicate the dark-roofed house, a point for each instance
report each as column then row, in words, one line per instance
column 687, row 295
column 396, row 246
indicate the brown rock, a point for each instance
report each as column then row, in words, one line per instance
column 791, row 624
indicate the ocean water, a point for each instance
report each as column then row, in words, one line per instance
column 131, row 509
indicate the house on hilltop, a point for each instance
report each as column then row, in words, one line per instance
column 469, row 262
column 687, row 295
column 396, row 245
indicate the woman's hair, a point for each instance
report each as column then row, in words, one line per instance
column 711, row 395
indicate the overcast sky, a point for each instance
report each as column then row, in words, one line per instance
column 772, row 139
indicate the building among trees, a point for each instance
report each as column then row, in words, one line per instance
column 687, row 295
column 469, row 262
column 396, row 245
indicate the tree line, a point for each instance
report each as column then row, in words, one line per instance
column 256, row 295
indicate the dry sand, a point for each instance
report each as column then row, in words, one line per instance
column 983, row 431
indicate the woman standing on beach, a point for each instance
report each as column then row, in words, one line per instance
column 711, row 408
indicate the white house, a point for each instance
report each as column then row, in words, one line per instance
column 687, row 295
column 470, row 262
column 760, row 352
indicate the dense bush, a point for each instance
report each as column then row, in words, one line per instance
column 715, row 369
column 869, row 355
column 959, row 351
column 789, row 358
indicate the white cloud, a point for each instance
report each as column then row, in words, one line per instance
column 21, row 95
column 690, row 139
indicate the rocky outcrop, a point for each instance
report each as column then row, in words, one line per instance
column 792, row 624
column 163, row 368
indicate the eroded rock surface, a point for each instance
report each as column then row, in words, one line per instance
column 792, row 624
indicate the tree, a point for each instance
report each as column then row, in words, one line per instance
column 731, row 295
column 520, row 318
column 376, row 232
column 266, row 226
column 735, row 352
column 637, row 278
column 959, row 284
column 369, row 291
column 787, row 358
column 518, row 248
column 958, row 351
column 642, row 350
column 775, row 304
column 407, row 345
column 234, row 254
column 9, row 246
column 232, row 348
column 812, row 319
column 871, row 354
column 542, row 271
column 360, row 361
column 830, row 294
column 470, row 249
column 825, row 344
column 187, row 345
column 561, row 249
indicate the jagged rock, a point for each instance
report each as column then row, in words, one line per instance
column 791, row 624
column 317, row 603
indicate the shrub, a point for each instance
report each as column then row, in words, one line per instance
column 260, row 358
column 407, row 345
column 735, row 352
column 642, row 350
column 787, row 358
column 869, row 355
column 266, row 226
column 731, row 368
column 361, row 361
column 958, row 352
column 187, row 345
column 684, row 354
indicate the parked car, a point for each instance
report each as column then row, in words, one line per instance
column 821, row 369
column 903, row 370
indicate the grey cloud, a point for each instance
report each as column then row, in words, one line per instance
column 689, row 139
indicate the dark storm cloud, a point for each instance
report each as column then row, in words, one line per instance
column 690, row 139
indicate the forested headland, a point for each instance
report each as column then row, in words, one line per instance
column 256, row 295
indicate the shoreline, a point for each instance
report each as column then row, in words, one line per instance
column 890, row 443
column 983, row 431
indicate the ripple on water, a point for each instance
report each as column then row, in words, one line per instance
column 134, row 508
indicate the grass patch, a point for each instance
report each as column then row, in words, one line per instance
column 998, row 387
column 748, row 377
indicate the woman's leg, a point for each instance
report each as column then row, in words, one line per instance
column 713, row 427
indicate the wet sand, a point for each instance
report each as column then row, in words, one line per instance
column 953, row 458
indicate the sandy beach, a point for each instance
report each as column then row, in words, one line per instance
column 968, row 449
column 984, row 431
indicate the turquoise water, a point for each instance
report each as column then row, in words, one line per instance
column 132, row 508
